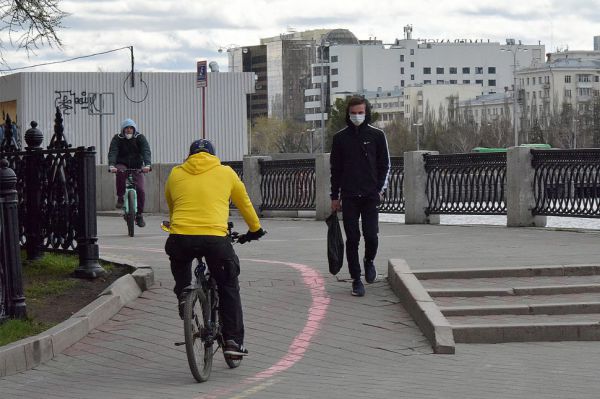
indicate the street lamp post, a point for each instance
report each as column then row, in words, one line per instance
column 417, row 125
column 514, row 51
column 322, row 103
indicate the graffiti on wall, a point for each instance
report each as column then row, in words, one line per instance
column 70, row 102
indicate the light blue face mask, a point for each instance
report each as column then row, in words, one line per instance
column 357, row 119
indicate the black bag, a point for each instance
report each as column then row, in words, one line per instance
column 335, row 244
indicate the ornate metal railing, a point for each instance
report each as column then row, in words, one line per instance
column 288, row 185
column 237, row 166
column 567, row 182
column 393, row 202
column 471, row 184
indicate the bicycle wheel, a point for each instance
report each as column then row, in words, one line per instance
column 198, row 344
column 130, row 217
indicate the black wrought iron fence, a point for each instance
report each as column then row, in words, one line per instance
column 567, row 182
column 471, row 184
column 288, row 184
column 393, row 202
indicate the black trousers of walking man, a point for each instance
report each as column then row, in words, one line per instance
column 365, row 209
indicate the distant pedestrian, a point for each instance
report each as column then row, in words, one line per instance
column 360, row 165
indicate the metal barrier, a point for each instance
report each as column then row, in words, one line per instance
column 393, row 201
column 567, row 182
column 288, row 185
column 237, row 166
column 470, row 184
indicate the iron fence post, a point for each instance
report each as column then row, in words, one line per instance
column 33, row 164
column 10, row 250
column 87, row 225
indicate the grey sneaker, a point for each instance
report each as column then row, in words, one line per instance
column 139, row 220
column 370, row 271
column 120, row 203
column 358, row 289
column 233, row 349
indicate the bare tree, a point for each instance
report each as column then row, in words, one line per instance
column 31, row 23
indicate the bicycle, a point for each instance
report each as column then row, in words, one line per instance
column 130, row 199
column 201, row 318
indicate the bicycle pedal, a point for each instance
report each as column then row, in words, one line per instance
column 179, row 343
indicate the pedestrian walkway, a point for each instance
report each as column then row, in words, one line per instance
column 309, row 338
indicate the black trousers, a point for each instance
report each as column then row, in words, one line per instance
column 224, row 266
column 365, row 209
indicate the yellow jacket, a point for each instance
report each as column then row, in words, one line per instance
column 198, row 193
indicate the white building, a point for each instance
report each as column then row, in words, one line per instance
column 487, row 108
column 423, row 98
column 167, row 108
column 361, row 68
column 570, row 77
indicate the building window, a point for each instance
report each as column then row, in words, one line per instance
column 466, row 70
column 583, row 78
column 596, row 78
column 492, row 82
column 439, row 70
column 453, row 70
column 426, row 71
column 567, row 78
column 334, row 83
column 452, row 82
column 401, row 57
column 412, row 51
column 334, row 71
column 412, row 64
column 334, row 58
column 567, row 93
column 440, row 81
column 412, row 77
column 492, row 70
column 478, row 70
column 402, row 70
column 427, row 82
column 466, row 82
column 401, row 83
column 539, row 80
column 479, row 82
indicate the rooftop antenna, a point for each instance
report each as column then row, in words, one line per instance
column 408, row 32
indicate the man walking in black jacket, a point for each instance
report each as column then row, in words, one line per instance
column 360, row 165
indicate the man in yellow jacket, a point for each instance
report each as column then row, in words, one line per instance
column 198, row 193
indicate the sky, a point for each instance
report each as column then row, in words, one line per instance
column 171, row 35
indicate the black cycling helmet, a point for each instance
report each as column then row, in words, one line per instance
column 202, row 145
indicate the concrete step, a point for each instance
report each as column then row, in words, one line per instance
column 525, row 328
column 515, row 300
column 521, row 309
column 505, row 283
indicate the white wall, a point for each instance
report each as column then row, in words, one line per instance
column 167, row 108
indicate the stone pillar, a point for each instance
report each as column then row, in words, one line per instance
column 252, row 179
column 322, row 186
column 520, row 199
column 415, row 183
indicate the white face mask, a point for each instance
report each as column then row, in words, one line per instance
column 357, row 119
column 128, row 136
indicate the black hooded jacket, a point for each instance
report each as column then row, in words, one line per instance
column 360, row 161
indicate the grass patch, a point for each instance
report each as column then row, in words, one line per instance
column 52, row 294
column 14, row 330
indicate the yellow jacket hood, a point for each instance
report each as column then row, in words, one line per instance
column 200, row 163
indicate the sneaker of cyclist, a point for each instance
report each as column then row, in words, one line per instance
column 198, row 193
column 129, row 149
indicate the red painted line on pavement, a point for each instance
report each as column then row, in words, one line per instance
column 316, row 313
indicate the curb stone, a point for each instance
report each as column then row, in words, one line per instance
column 30, row 352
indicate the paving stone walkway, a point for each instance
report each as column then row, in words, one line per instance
column 309, row 338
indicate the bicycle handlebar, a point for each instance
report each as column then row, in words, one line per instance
column 234, row 235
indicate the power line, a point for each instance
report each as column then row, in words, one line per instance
column 67, row 60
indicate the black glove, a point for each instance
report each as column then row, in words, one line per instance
column 251, row 236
